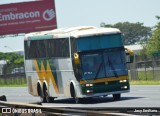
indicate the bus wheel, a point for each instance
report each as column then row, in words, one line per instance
column 73, row 94
column 77, row 100
column 116, row 96
column 43, row 99
column 48, row 99
column 40, row 93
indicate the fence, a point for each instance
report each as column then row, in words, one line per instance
column 145, row 68
column 13, row 79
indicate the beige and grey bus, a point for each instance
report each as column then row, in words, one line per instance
column 78, row 62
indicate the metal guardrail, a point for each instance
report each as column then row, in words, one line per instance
column 63, row 111
column 20, row 75
column 80, row 111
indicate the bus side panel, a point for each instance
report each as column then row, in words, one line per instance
column 63, row 75
column 31, row 77
column 68, row 78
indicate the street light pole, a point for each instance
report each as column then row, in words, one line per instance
column 9, row 48
column 1, row 50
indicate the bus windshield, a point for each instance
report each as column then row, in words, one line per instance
column 104, row 64
column 99, row 42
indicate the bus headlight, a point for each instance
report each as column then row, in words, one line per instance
column 89, row 85
column 121, row 81
column 89, row 91
column 124, row 87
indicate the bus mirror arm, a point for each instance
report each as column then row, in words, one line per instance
column 76, row 59
column 129, row 55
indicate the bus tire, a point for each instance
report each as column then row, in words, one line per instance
column 47, row 97
column 77, row 100
column 40, row 93
column 43, row 99
column 72, row 91
column 73, row 94
column 117, row 96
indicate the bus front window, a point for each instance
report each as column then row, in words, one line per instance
column 102, row 65
column 115, row 64
column 92, row 66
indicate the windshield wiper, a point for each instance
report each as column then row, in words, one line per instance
column 114, row 71
column 98, row 70
column 100, row 65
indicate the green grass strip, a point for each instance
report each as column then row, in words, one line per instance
column 14, row 85
column 145, row 82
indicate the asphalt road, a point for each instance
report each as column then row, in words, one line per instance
column 139, row 96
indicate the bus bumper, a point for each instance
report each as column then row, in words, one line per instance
column 103, row 94
column 103, row 89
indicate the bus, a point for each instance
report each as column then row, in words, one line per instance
column 77, row 62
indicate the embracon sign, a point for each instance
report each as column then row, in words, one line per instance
column 40, row 16
column 26, row 15
column 16, row 16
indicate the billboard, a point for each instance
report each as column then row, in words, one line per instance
column 27, row 17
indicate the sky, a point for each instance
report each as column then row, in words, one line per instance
column 92, row 13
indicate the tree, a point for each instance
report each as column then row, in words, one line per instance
column 14, row 60
column 133, row 32
column 153, row 46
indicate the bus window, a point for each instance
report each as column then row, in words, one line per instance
column 92, row 66
column 115, row 64
column 41, row 47
column 99, row 42
column 35, row 49
column 58, row 47
column 26, row 46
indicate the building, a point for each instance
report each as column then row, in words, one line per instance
column 135, row 48
column 21, row 52
column 2, row 63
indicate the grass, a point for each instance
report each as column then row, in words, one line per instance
column 14, row 85
column 146, row 78
column 145, row 82
column 13, row 82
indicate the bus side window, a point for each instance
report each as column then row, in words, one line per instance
column 26, row 46
column 65, row 49
column 58, row 47
column 41, row 48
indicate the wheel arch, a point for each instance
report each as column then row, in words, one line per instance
column 39, row 88
column 45, row 86
column 72, row 89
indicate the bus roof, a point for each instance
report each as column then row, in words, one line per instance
column 76, row 32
